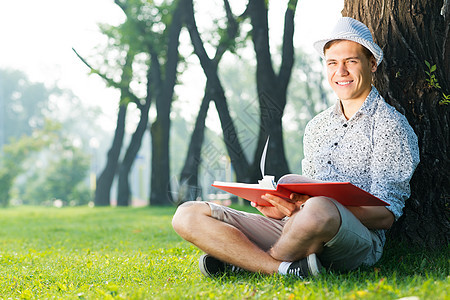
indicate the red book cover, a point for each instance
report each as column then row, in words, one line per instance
column 344, row 192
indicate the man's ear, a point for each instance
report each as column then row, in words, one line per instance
column 373, row 63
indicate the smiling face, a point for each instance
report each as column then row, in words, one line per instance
column 349, row 71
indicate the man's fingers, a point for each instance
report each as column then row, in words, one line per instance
column 283, row 205
column 299, row 197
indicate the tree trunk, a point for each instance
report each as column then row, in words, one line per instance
column 410, row 33
column 189, row 188
column 272, row 88
column 124, row 190
column 160, row 130
column 105, row 180
column 216, row 92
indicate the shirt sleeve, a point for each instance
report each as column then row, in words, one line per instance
column 395, row 157
column 307, row 165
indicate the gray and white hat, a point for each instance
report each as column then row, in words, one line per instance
column 352, row 30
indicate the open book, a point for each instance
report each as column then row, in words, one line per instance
column 344, row 192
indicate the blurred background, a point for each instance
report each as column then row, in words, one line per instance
column 77, row 77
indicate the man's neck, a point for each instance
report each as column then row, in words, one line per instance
column 350, row 107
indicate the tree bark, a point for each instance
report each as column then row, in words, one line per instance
column 189, row 188
column 216, row 92
column 105, row 180
column 160, row 129
column 124, row 190
column 410, row 33
column 271, row 87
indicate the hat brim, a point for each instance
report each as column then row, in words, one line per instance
column 372, row 47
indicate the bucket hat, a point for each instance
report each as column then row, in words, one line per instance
column 352, row 30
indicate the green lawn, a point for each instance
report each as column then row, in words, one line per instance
column 133, row 253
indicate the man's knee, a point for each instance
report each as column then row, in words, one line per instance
column 320, row 216
column 308, row 230
column 186, row 216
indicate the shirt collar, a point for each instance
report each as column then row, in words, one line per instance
column 368, row 107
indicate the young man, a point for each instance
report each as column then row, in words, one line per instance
column 362, row 140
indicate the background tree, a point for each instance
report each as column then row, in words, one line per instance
column 271, row 86
column 13, row 156
column 37, row 121
column 165, row 61
column 134, row 25
column 308, row 95
column 23, row 105
column 233, row 83
column 151, row 30
column 61, row 175
column 105, row 179
column 189, row 189
column 410, row 33
column 272, row 89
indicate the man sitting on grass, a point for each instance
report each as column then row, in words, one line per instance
column 361, row 139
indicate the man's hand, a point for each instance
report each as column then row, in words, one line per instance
column 281, row 207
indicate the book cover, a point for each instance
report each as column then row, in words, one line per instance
column 344, row 192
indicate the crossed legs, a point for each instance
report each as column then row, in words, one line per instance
column 304, row 233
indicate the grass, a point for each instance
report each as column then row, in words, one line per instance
column 133, row 253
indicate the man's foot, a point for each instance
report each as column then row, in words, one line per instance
column 306, row 267
column 211, row 266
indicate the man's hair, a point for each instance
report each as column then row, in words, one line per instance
column 367, row 53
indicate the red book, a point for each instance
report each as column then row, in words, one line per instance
column 344, row 192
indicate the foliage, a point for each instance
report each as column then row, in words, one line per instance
column 433, row 82
column 145, row 29
column 445, row 99
column 39, row 125
column 62, row 179
column 132, row 253
column 23, row 104
column 15, row 153
column 47, row 167
column 144, row 49
column 60, row 173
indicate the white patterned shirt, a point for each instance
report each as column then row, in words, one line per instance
column 376, row 150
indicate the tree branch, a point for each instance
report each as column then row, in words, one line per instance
column 232, row 30
column 108, row 80
column 196, row 40
column 111, row 82
column 446, row 45
column 288, row 45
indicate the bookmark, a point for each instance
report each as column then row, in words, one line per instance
column 263, row 158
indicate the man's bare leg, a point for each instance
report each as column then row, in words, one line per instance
column 305, row 233
column 193, row 222
column 308, row 230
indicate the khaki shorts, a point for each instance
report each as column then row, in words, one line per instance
column 354, row 245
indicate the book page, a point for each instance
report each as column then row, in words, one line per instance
column 295, row 178
column 268, row 182
column 244, row 185
column 262, row 163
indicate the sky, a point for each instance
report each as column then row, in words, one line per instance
column 37, row 38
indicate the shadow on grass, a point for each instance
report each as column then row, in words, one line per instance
column 399, row 261
column 407, row 260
